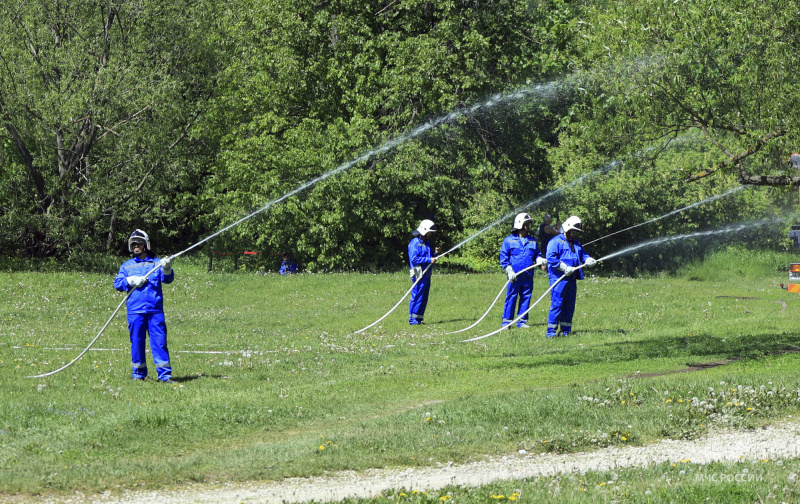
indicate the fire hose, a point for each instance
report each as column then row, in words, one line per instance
column 519, row 317
column 491, row 305
column 169, row 259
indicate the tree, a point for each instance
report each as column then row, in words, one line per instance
column 659, row 69
column 97, row 99
column 315, row 84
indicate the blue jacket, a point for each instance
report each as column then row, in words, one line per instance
column 558, row 251
column 148, row 298
column 288, row 267
column 519, row 252
column 419, row 253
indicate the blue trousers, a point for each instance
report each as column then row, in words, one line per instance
column 139, row 325
column 419, row 300
column 562, row 307
column 521, row 289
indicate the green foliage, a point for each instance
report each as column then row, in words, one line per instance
column 672, row 90
column 645, row 187
column 96, row 101
column 656, row 70
column 356, row 76
column 343, row 124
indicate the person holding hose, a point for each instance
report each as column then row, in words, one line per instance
column 145, row 305
column 564, row 253
column 518, row 252
column 420, row 257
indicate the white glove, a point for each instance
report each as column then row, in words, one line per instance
column 417, row 272
column 136, row 281
column 568, row 270
column 166, row 266
column 540, row 261
column 512, row 277
column 411, row 272
column 591, row 261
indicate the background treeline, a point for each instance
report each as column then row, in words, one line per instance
column 182, row 116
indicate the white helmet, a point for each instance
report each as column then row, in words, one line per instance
column 794, row 161
column 426, row 226
column 520, row 220
column 138, row 236
column 572, row 223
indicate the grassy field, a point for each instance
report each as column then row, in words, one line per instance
column 273, row 384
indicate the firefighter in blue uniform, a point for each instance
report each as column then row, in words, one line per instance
column 518, row 252
column 564, row 253
column 145, row 305
column 420, row 257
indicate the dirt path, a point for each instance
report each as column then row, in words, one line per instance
column 780, row 441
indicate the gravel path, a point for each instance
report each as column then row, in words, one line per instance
column 775, row 442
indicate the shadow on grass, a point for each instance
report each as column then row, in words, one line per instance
column 697, row 349
column 184, row 379
column 462, row 319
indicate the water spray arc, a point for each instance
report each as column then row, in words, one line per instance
column 679, row 210
column 707, row 200
column 698, row 234
column 494, row 100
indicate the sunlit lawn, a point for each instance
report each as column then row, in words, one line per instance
column 273, row 384
column 679, row 481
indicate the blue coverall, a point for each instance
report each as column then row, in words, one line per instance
column 519, row 253
column 562, row 297
column 145, row 308
column 419, row 254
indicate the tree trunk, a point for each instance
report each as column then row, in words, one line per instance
column 112, row 227
column 768, row 180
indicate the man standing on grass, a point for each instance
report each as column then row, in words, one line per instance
column 419, row 258
column 145, row 305
column 519, row 252
column 564, row 253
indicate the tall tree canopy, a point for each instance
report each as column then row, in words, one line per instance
column 316, row 84
column 183, row 116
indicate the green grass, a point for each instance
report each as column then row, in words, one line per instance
column 273, row 384
column 682, row 481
